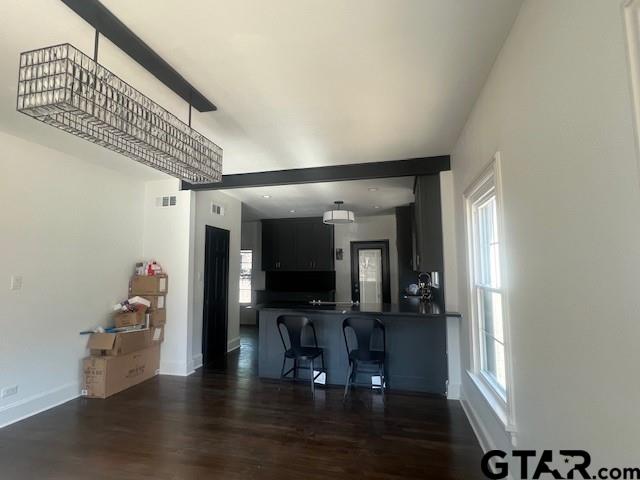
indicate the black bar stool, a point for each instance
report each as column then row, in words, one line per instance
column 292, row 330
column 360, row 349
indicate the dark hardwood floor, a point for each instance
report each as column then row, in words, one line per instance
column 231, row 425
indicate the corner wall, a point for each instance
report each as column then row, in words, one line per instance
column 73, row 230
column 167, row 239
column 557, row 105
column 231, row 220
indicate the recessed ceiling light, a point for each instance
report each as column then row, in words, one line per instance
column 266, row 196
column 376, row 206
column 292, row 211
column 373, row 189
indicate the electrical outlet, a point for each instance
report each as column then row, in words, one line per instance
column 8, row 391
column 16, row 282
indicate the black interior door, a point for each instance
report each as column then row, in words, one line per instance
column 216, row 293
column 385, row 277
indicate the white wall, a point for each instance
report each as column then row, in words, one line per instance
column 447, row 201
column 167, row 240
column 557, row 105
column 73, row 230
column 379, row 227
column 231, row 221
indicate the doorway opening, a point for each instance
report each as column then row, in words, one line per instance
column 216, row 297
column 370, row 277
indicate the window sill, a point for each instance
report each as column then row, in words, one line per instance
column 496, row 404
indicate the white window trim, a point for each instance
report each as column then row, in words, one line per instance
column 501, row 404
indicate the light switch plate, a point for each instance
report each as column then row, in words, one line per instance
column 16, row 282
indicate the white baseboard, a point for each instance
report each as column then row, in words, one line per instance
column 27, row 407
column 478, row 428
column 196, row 361
column 233, row 344
column 179, row 369
column 453, row 391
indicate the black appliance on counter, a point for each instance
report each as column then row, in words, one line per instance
column 429, row 288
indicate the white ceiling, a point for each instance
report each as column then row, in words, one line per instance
column 363, row 197
column 298, row 83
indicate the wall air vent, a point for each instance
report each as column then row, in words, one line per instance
column 217, row 209
column 168, row 201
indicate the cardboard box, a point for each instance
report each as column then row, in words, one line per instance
column 149, row 285
column 130, row 319
column 157, row 318
column 124, row 343
column 104, row 376
column 158, row 302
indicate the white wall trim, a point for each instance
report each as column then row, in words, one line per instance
column 40, row 402
column 631, row 13
column 478, row 427
column 178, row 369
column 196, row 362
column 453, row 391
column 233, row 344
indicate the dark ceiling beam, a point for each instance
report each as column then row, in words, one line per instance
column 98, row 16
column 336, row 173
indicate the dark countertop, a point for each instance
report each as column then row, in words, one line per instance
column 406, row 306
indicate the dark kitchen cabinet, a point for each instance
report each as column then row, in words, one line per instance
column 428, row 224
column 297, row 244
column 406, row 245
column 278, row 246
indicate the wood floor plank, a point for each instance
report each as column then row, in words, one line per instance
column 232, row 425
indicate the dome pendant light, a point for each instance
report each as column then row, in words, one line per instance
column 337, row 215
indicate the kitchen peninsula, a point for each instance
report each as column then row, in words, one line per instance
column 416, row 341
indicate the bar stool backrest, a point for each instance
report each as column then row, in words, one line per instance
column 363, row 329
column 293, row 331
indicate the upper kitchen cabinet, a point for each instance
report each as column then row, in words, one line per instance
column 297, row 244
column 428, row 224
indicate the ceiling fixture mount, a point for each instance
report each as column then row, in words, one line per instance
column 266, row 196
column 337, row 215
column 65, row 88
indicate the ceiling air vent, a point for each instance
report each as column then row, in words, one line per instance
column 168, row 201
column 217, row 209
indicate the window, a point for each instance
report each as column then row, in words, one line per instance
column 246, row 259
column 487, row 295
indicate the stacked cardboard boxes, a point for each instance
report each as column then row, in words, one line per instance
column 154, row 289
column 122, row 359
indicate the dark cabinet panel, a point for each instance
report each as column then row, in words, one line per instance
column 269, row 242
column 406, row 243
column 297, row 244
column 321, row 236
column 286, row 246
column 428, row 224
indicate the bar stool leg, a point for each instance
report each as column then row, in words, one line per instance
column 284, row 361
column 313, row 383
column 348, row 382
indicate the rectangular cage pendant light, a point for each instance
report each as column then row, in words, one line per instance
column 65, row 88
